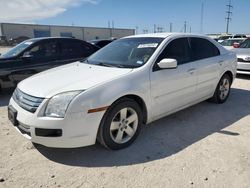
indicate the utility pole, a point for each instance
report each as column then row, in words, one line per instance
column 171, row 27
column 202, row 17
column 229, row 14
column 185, row 26
column 190, row 29
column 136, row 29
column 108, row 24
column 113, row 24
column 154, row 28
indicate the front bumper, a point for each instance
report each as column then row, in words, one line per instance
column 77, row 129
column 243, row 68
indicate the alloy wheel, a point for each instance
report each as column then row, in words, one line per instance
column 124, row 125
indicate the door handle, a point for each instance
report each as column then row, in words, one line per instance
column 191, row 71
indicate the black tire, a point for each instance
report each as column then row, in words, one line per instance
column 104, row 133
column 217, row 97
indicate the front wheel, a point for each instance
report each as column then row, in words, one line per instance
column 121, row 125
column 222, row 90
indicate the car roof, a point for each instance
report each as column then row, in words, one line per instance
column 165, row 35
column 98, row 40
column 46, row 38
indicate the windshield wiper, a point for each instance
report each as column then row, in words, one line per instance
column 109, row 65
column 101, row 64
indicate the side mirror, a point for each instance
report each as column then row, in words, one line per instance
column 236, row 45
column 168, row 64
column 27, row 55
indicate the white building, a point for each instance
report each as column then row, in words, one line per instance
column 13, row 30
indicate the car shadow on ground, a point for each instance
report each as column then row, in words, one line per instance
column 5, row 96
column 243, row 76
column 162, row 138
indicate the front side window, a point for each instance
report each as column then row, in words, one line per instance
column 44, row 50
column 203, row 48
column 126, row 53
column 177, row 49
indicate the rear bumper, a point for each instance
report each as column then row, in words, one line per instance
column 75, row 130
column 243, row 68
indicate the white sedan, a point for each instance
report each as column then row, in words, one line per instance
column 130, row 82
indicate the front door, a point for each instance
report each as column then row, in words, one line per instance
column 173, row 88
column 40, row 57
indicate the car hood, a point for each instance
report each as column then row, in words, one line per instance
column 242, row 51
column 71, row 77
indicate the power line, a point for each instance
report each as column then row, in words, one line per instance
column 229, row 14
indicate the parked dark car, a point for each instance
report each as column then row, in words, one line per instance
column 36, row 55
column 102, row 42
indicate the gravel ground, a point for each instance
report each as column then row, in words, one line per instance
column 206, row 145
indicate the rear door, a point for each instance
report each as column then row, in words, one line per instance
column 209, row 64
column 173, row 88
column 41, row 56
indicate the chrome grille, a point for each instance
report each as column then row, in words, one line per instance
column 26, row 101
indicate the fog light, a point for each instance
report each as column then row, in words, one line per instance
column 48, row 132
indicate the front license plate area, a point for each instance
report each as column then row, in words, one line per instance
column 12, row 115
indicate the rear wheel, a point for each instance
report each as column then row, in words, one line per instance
column 222, row 90
column 121, row 125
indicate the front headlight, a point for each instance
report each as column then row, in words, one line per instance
column 58, row 104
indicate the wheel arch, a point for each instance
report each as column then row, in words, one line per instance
column 230, row 74
column 139, row 101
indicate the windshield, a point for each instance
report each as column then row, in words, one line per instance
column 245, row 44
column 126, row 53
column 17, row 49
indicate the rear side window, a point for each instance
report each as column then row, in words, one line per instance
column 177, row 49
column 202, row 49
column 72, row 49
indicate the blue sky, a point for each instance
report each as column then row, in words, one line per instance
column 144, row 14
